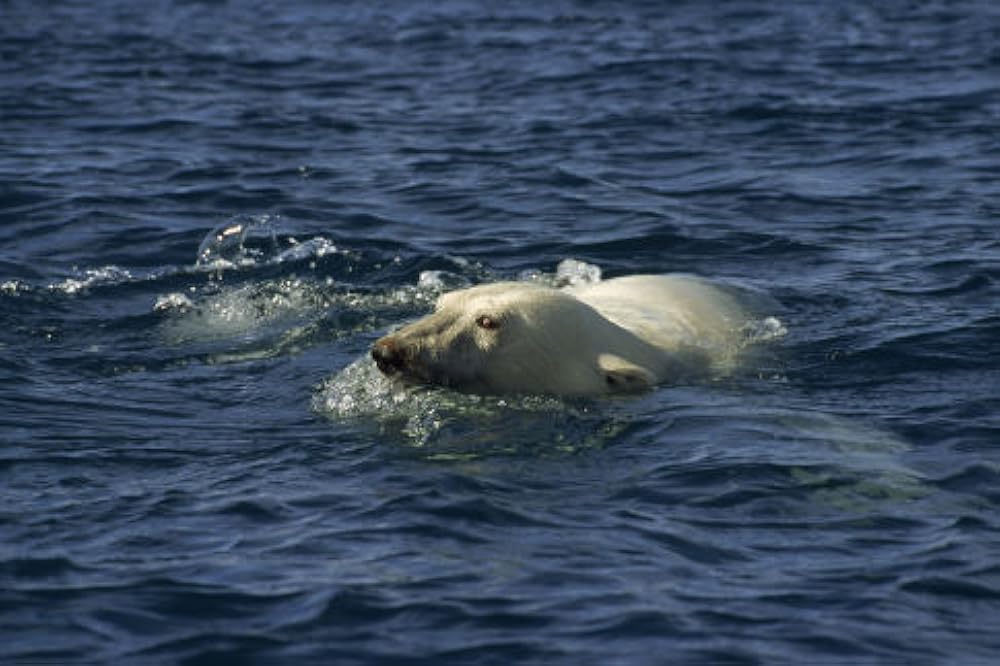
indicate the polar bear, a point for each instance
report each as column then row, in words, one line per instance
column 619, row 335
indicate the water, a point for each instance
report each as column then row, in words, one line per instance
column 211, row 209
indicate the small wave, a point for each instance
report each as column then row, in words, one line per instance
column 953, row 586
column 34, row 568
column 108, row 275
column 13, row 287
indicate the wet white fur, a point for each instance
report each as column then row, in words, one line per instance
column 624, row 334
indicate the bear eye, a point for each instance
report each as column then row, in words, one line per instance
column 487, row 322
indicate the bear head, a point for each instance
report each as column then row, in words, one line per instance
column 513, row 337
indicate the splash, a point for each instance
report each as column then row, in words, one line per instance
column 108, row 275
column 264, row 317
column 13, row 287
column 245, row 312
column 438, row 419
column 569, row 272
column 572, row 272
column 763, row 330
column 253, row 240
column 227, row 246
column 450, row 425
column 446, row 425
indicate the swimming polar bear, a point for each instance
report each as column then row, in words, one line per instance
column 620, row 335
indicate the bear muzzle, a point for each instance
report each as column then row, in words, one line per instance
column 398, row 359
column 389, row 355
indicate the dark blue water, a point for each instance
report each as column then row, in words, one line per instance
column 199, row 465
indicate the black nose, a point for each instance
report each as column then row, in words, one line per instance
column 388, row 355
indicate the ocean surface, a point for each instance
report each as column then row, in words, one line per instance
column 209, row 210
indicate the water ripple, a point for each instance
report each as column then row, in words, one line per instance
column 208, row 212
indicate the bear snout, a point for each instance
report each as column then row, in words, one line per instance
column 388, row 355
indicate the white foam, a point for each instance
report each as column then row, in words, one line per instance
column 574, row 272
column 241, row 311
column 173, row 301
column 13, row 287
column 451, row 424
column 91, row 278
column 441, row 281
column 569, row 272
column 767, row 329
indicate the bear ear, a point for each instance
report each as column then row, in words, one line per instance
column 622, row 376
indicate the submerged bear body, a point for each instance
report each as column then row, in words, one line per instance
column 618, row 335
